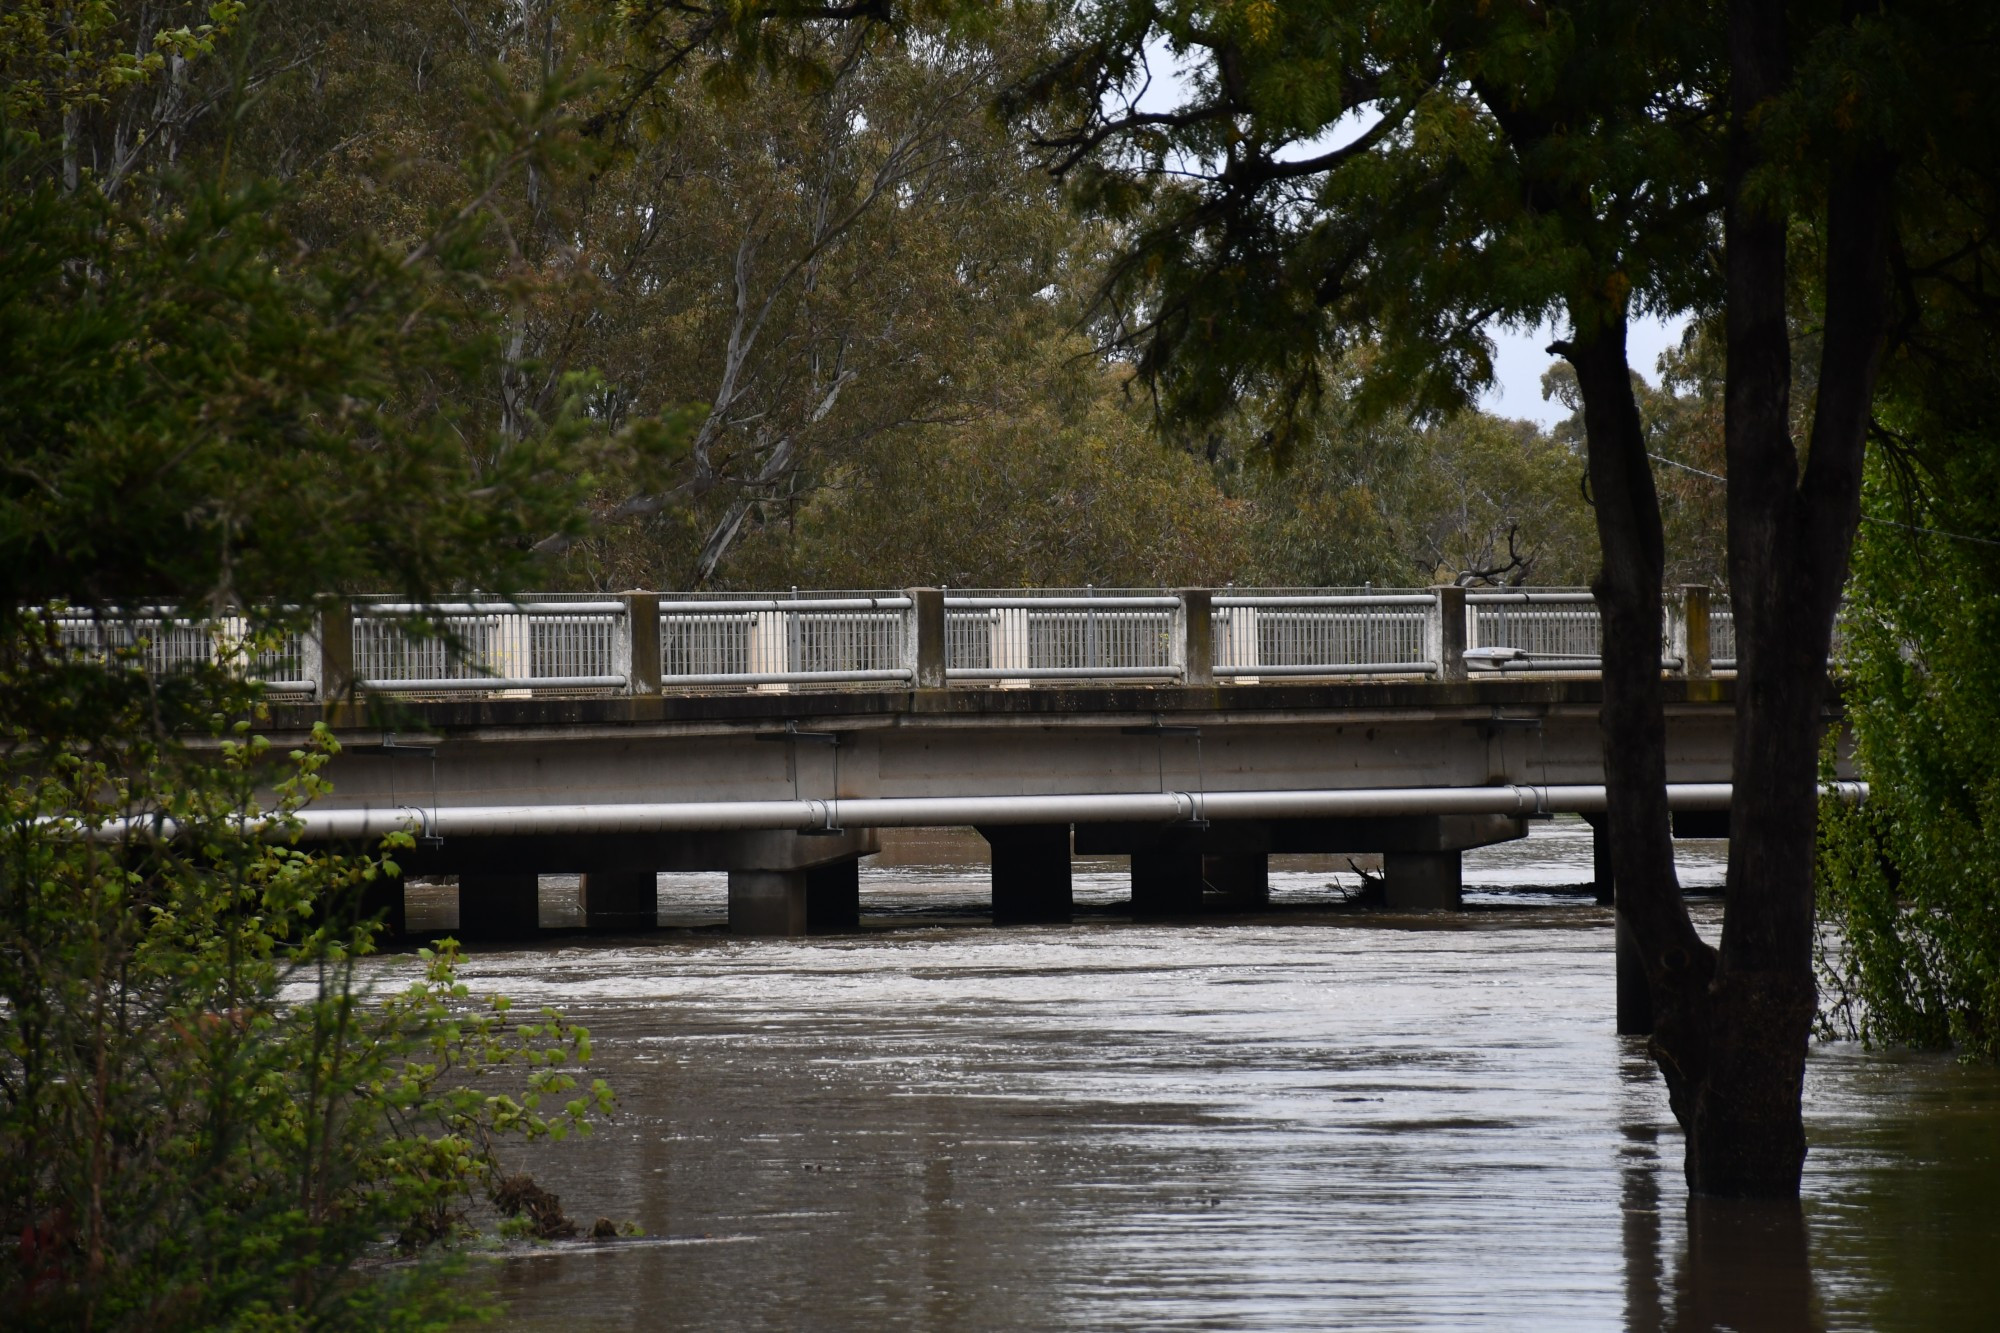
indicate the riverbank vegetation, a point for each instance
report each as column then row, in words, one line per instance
column 207, row 1118
column 1909, row 880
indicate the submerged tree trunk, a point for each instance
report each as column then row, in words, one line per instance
column 1791, row 529
column 1632, row 719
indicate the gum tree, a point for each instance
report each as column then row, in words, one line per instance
column 1292, row 180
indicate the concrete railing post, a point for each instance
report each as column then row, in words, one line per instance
column 1196, row 646
column 1447, row 632
column 642, row 642
column 336, row 652
column 926, row 645
column 1696, row 653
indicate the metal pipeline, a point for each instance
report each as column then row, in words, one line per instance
column 946, row 811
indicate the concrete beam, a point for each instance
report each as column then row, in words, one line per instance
column 1448, row 633
column 1422, row 881
column 1031, row 873
column 1220, row 837
column 1197, row 633
column 642, row 620
column 619, row 899
column 1396, row 833
column 499, row 905
column 746, row 849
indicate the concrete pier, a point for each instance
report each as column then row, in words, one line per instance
column 817, row 900
column 1167, row 878
column 1423, row 881
column 1635, row 996
column 767, row 902
column 1243, row 878
column 619, row 899
column 833, row 897
column 383, row 897
column 1031, row 873
column 498, row 905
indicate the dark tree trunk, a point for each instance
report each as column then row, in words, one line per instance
column 1790, row 532
column 1633, row 719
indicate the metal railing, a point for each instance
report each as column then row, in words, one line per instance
column 164, row 644
column 647, row 643
column 767, row 641
column 488, row 646
column 1553, row 630
column 1061, row 636
column 1274, row 634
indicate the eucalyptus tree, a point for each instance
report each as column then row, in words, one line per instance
column 1315, row 175
column 1385, row 182
column 820, row 261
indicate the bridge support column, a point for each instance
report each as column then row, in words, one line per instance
column 824, row 899
column 833, row 897
column 619, row 900
column 767, row 902
column 1167, row 879
column 1635, row 997
column 1600, row 860
column 1244, row 876
column 383, row 896
column 1422, row 881
column 1031, row 874
column 498, row 905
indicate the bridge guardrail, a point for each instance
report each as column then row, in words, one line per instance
column 751, row 641
column 647, row 643
column 1016, row 637
column 1260, row 635
column 164, row 643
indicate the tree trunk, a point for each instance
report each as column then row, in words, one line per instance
column 1632, row 719
column 1790, row 532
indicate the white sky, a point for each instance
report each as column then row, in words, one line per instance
column 1518, row 363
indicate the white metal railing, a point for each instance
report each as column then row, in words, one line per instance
column 1062, row 636
column 489, row 646
column 1366, row 633
column 648, row 643
column 785, row 641
column 1532, row 630
column 1722, row 637
column 165, row 644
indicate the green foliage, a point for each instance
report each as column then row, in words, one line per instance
column 1339, row 176
column 1365, row 499
column 1681, row 421
column 207, row 1119
column 1048, row 492
column 1912, row 878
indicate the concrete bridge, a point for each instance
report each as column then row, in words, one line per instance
column 1197, row 731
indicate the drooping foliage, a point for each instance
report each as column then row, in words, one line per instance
column 1912, row 878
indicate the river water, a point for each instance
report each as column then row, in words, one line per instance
column 1317, row 1116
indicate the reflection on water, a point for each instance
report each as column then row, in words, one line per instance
column 1313, row 1118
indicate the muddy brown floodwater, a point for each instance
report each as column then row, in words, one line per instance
column 1313, row 1117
